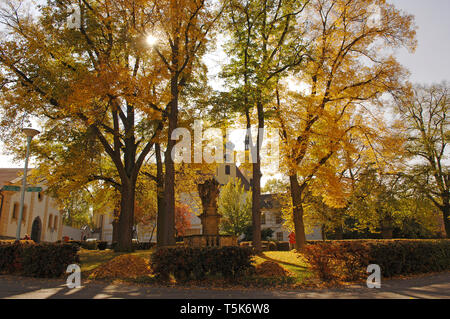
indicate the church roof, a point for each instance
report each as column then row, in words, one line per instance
column 7, row 175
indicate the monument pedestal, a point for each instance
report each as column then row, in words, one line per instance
column 210, row 219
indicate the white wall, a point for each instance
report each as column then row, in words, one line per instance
column 43, row 208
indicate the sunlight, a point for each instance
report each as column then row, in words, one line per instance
column 151, row 40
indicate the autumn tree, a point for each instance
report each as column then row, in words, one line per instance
column 181, row 31
column 183, row 216
column 99, row 78
column 76, row 209
column 425, row 113
column 234, row 205
column 348, row 66
column 103, row 77
column 262, row 47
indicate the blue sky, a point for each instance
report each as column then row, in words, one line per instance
column 429, row 64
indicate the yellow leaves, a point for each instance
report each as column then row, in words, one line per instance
column 349, row 67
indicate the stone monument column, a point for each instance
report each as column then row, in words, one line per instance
column 209, row 192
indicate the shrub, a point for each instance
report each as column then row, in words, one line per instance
column 245, row 243
column 48, row 260
column 268, row 246
column 185, row 263
column 75, row 242
column 89, row 245
column 265, row 245
column 348, row 260
column 12, row 241
column 102, row 245
column 283, row 246
column 37, row 260
column 11, row 253
column 143, row 246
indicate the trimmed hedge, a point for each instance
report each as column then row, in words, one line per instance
column 283, row 246
column 11, row 253
column 37, row 260
column 101, row 245
column 89, row 245
column 143, row 246
column 348, row 260
column 265, row 245
column 186, row 263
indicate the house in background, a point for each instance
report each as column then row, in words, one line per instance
column 271, row 217
column 103, row 227
column 42, row 219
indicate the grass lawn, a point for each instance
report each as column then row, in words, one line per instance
column 90, row 259
column 288, row 260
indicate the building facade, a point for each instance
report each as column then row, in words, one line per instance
column 41, row 220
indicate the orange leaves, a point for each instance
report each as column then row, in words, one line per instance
column 183, row 216
column 271, row 269
column 124, row 266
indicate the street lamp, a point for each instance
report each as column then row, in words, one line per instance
column 30, row 133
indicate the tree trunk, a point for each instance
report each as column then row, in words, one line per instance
column 387, row 228
column 115, row 226
column 446, row 216
column 323, row 233
column 169, row 179
column 299, row 226
column 339, row 233
column 160, row 217
column 256, row 210
column 386, row 233
column 256, row 187
column 126, row 218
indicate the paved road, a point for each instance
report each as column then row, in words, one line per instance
column 430, row 286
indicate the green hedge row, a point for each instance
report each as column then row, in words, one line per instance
column 37, row 260
column 89, row 245
column 186, row 263
column 143, row 246
column 269, row 245
column 348, row 260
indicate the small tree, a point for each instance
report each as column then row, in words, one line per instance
column 235, row 206
column 182, row 219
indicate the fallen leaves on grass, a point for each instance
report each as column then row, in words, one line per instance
column 271, row 269
column 124, row 266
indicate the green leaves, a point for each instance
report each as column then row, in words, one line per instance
column 235, row 206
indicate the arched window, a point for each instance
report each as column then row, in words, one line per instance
column 50, row 221
column 55, row 223
column 40, row 196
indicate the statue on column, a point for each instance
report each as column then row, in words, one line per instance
column 209, row 192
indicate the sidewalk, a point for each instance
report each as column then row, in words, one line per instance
column 428, row 286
